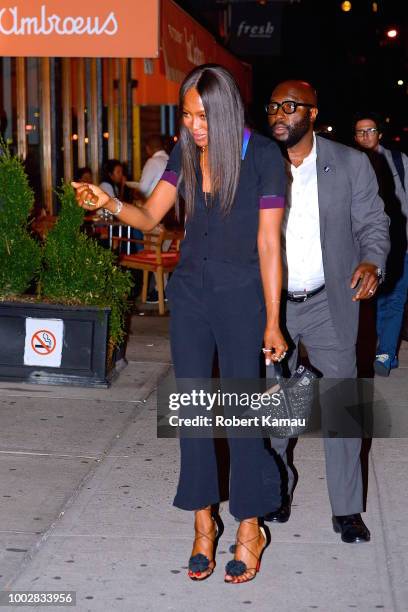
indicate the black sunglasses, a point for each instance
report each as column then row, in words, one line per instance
column 288, row 107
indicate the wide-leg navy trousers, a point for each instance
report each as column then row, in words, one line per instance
column 230, row 319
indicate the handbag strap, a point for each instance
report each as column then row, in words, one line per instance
column 399, row 165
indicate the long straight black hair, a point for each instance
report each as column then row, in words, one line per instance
column 225, row 119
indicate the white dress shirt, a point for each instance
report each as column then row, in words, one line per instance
column 152, row 172
column 302, row 251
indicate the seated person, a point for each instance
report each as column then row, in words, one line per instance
column 83, row 175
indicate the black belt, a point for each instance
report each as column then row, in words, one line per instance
column 302, row 296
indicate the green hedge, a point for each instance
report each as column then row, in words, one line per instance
column 20, row 255
column 70, row 268
column 77, row 270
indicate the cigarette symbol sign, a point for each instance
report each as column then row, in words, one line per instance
column 43, row 342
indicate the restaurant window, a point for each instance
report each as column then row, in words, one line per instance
column 33, row 156
column 8, row 101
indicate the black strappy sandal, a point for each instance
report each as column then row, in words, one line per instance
column 199, row 563
column 236, row 568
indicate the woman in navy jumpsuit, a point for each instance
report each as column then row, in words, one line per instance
column 217, row 300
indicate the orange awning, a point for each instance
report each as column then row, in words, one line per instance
column 184, row 45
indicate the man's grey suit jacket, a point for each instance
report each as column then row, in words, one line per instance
column 353, row 228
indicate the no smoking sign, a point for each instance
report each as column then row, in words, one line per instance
column 43, row 342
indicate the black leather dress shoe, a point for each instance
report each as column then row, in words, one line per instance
column 351, row 527
column 282, row 514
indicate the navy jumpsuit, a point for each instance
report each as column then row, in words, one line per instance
column 216, row 301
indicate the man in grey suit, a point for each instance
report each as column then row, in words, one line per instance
column 335, row 242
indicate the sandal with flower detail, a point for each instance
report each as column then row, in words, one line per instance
column 236, row 568
column 199, row 563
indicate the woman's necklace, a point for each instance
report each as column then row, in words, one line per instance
column 203, row 168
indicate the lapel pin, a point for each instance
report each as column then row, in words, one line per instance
column 326, row 168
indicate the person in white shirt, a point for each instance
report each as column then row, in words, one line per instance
column 151, row 174
column 113, row 178
column 335, row 244
column 154, row 166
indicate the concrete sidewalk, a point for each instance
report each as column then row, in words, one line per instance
column 86, row 506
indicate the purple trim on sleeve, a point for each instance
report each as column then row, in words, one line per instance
column 170, row 176
column 271, row 201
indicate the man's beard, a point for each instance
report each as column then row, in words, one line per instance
column 294, row 132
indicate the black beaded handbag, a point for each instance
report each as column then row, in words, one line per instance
column 292, row 416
